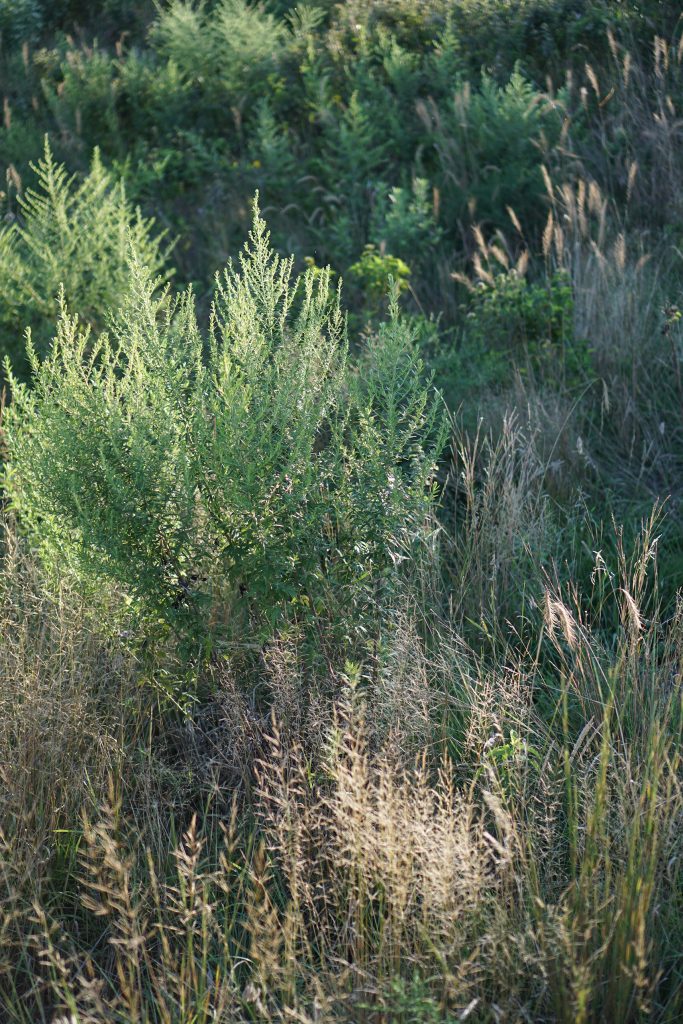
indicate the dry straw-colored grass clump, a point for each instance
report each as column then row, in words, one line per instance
column 526, row 868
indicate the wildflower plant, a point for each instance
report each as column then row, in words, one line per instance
column 228, row 483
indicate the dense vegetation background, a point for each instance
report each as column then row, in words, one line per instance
column 342, row 638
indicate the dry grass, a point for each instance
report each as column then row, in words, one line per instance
column 526, row 865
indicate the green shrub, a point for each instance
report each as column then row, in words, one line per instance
column 508, row 322
column 413, row 22
column 80, row 89
column 272, row 150
column 350, row 160
column 20, row 20
column 19, row 143
column 541, row 34
column 409, row 1001
column 530, row 321
column 225, row 51
column 406, row 224
column 374, row 273
column 70, row 235
column 488, row 146
column 155, row 100
column 509, row 311
column 226, row 491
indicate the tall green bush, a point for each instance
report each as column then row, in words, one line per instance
column 488, row 147
column 225, row 51
column 227, row 486
column 71, row 236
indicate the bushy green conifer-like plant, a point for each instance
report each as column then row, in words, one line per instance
column 226, row 50
column 71, row 236
column 226, row 486
column 489, row 145
column 406, row 223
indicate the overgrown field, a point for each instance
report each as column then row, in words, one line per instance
column 341, row 640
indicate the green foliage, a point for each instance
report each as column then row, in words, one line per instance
column 324, row 110
column 374, row 273
column 69, row 235
column 351, row 160
column 532, row 321
column 20, row 20
column 226, row 51
column 511, row 311
column 540, row 33
column 407, row 224
column 272, row 150
column 226, row 491
column 80, row 88
column 411, row 22
column 508, row 320
column 409, row 1001
column 66, row 14
column 488, row 146
column 19, row 143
